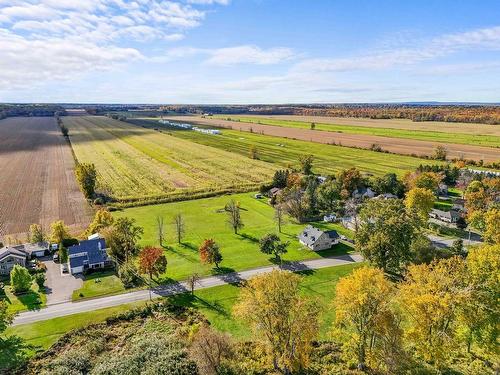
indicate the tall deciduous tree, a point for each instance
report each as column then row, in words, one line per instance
column 430, row 298
column 480, row 312
column 36, row 233
column 102, row 219
column 421, row 200
column 492, row 225
column 122, row 238
column 58, row 232
column 424, row 180
column 210, row 252
column 86, row 175
column 180, row 227
column 286, row 321
column 234, row 216
column 152, row 261
column 160, row 229
column 20, row 279
column 271, row 244
column 5, row 316
column 279, row 216
column 361, row 303
column 349, row 180
column 386, row 234
column 306, row 164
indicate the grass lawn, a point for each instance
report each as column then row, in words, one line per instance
column 32, row 300
column 216, row 303
column 435, row 136
column 205, row 218
column 443, row 204
column 98, row 284
column 328, row 159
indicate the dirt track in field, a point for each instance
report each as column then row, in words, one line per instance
column 37, row 182
column 395, row 145
column 438, row 126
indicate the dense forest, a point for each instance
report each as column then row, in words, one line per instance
column 13, row 110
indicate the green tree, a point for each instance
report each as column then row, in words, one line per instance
column 306, row 164
column 271, row 244
column 386, row 234
column 122, row 238
column 349, row 180
column 440, row 153
column 5, row 316
column 421, row 200
column 86, row 175
column 20, row 279
column 328, row 194
column 40, row 280
column 285, row 321
column 492, row 225
column 36, row 233
column 63, row 254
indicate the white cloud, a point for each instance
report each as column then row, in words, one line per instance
column 49, row 40
column 209, row 2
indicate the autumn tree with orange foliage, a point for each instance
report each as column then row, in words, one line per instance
column 210, row 252
column 152, row 261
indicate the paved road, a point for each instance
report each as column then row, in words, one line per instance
column 443, row 242
column 68, row 308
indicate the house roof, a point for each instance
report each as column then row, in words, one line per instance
column 29, row 248
column 311, row 234
column 275, row 190
column 448, row 214
column 7, row 251
column 93, row 251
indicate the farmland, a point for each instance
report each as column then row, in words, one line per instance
column 328, row 159
column 205, row 218
column 405, row 146
column 135, row 164
column 37, row 182
column 468, row 134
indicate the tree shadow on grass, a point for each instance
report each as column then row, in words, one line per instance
column 189, row 245
column 228, row 275
column 14, row 353
column 248, row 237
column 337, row 250
column 193, row 301
column 30, row 300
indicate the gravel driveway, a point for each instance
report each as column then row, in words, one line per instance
column 60, row 286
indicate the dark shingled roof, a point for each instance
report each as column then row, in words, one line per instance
column 91, row 252
column 311, row 234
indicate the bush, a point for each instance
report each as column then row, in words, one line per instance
column 40, row 280
column 99, row 201
column 67, row 242
column 20, row 279
column 128, row 274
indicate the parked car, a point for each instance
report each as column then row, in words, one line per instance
column 65, row 268
column 55, row 258
column 54, row 246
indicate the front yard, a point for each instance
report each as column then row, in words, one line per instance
column 99, row 284
column 32, row 300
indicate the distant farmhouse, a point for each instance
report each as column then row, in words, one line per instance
column 19, row 254
column 363, row 193
column 445, row 216
column 316, row 239
column 88, row 255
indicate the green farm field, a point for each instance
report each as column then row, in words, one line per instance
column 205, row 218
column 439, row 135
column 285, row 152
column 136, row 164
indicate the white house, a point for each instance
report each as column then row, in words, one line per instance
column 316, row 239
column 363, row 193
column 445, row 216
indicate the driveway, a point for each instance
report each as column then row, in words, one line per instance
column 59, row 286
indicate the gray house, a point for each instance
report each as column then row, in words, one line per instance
column 9, row 257
column 87, row 255
column 445, row 216
column 316, row 239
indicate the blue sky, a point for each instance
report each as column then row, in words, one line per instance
column 249, row 51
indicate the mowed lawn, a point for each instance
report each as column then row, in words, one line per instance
column 435, row 136
column 32, row 300
column 135, row 163
column 328, row 159
column 216, row 303
column 205, row 218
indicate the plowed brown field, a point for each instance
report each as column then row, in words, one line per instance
column 395, row 145
column 37, row 182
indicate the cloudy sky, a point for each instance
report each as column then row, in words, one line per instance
column 249, row 51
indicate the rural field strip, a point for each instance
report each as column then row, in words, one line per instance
column 69, row 308
column 134, row 162
column 395, row 145
column 454, row 135
column 285, row 152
